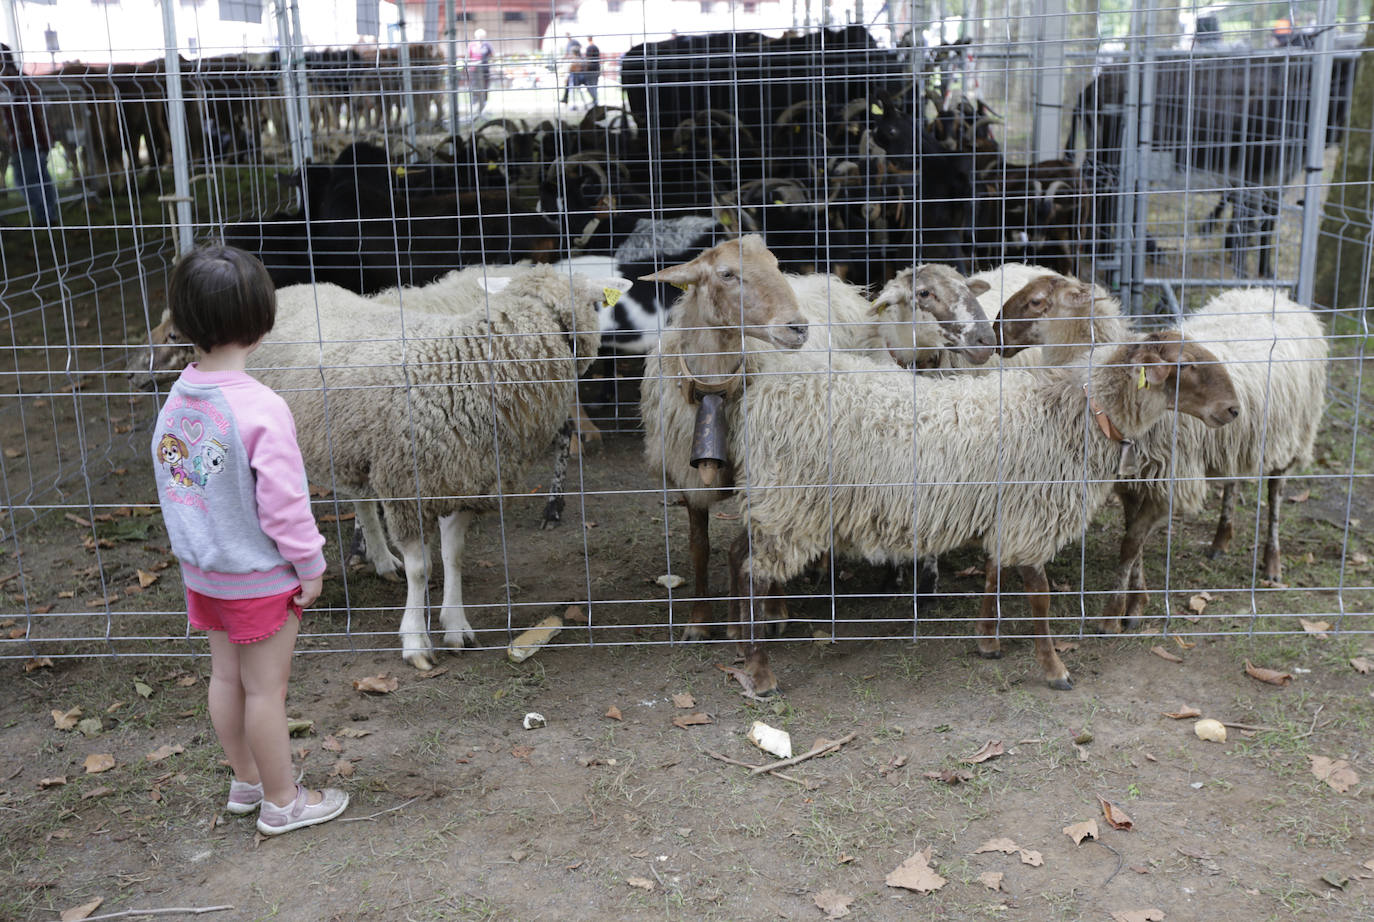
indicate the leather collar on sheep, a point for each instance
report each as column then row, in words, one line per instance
column 697, row 387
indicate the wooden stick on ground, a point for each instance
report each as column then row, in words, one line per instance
column 362, row 819
column 183, row 910
column 1252, row 727
column 821, row 750
column 809, row 785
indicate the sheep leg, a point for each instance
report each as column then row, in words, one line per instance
column 1142, row 517
column 375, row 547
column 453, row 536
column 699, row 530
column 415, row 646
column 927, row 577
column 1273, row 561
column 562, row 448
column 1037, row 587
column 586, row 429
column 742, row 595
column 1222, row 539
column 989, row 646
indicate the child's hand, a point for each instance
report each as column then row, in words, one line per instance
column 310, row 591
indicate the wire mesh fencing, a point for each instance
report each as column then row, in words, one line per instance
column 462, row 231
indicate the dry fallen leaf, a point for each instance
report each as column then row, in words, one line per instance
column 343, row 768
column 1115, row 816
column 991, row 749
column 146, row 579
column 37, row 662
column 522, row 752
column 1362, row 665
column 1031, row 857
column 98, row 762
column 991, row 879
column 1198, row 603
column 1065, row 646
column 1183, row 712
column 165, row 750
column 670, row 580
column 613, row 713
column 65, row 721
column 1165, row 654
column 1315, row 627
column 1272, row 676
column 684, row 700
column 1138, row 915
column 1080, row 831
column 575, row 615
column 377, row 684
column 833, row 903
column 1302, row 497
column 77, row 913
column 353, row 733
column 1004, row 845
column 1336, row 773
column 683, row 721
column 53, row 782
column 331, row 743
column 916, row 874
column 642, row 883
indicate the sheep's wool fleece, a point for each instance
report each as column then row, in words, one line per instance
column 1010, row 460
column 839, row 319
column 418, row 402
column 1276, row 353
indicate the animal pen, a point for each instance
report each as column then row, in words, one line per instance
column 1165, row 166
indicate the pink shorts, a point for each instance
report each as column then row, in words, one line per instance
column 244, row 620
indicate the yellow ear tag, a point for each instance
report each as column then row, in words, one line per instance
column 491, row 166
column 1141, row 383
column 400, row 171
column 778, row 201
column 680, row 286
column 612, row 296
column 796, row 129
column 726, row 219
column 876, row 109
column 880, row 308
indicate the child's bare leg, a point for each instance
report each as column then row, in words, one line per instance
column 264, row 668
column 226, row 707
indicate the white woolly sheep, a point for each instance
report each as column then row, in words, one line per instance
column 840, row 321
column 1276, row 353
column 826, row 454
column 447, row 410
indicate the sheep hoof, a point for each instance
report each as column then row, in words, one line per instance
column 990, row 654
column 1063, row 684
column 420, row 661
column 775, row 628
column 391, row 576
column 1214, row 552
column 695, row 632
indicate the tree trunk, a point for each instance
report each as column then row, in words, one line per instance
column 1344, row 271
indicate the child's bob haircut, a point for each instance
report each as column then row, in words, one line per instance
column 221, row 296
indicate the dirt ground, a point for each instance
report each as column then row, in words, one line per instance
column 460, row 813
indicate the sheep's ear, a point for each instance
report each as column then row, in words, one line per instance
column 1152, row 368
column 978, row 287
column 688, row 273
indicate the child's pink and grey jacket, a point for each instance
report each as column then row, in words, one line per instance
column 232, row 486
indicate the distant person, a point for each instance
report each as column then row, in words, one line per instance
column 28, row 127
column 572, row 56
column 480, row 54
column 591, row 68
column 235, row 502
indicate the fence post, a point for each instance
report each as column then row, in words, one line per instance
column 407, row 81
column 176, row 125
column 1129, row 165
column 451, row 71
column 307, row 124
column 1141, row 173
column 1048, row 59
column 1320, row 85
column 286, row 50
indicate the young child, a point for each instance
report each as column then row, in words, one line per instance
column 234, row 497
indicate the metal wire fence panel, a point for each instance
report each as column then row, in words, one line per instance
column 523, row 325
